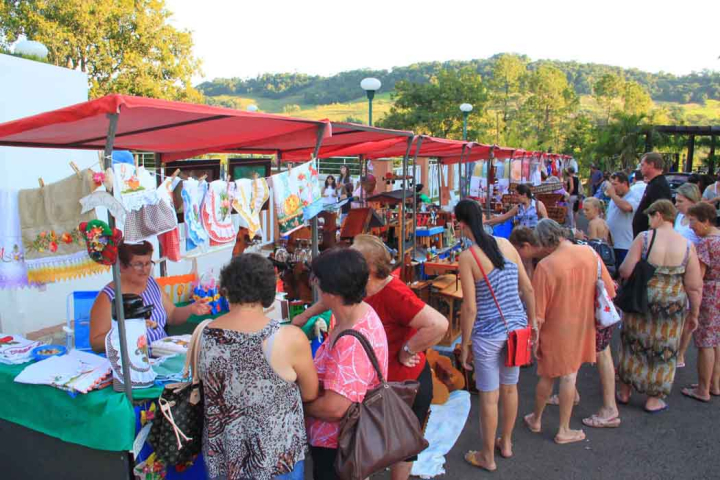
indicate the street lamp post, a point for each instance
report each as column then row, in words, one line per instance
column 465, row 108
column 370, row 85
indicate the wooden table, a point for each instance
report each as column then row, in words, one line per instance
column 427, row 236
column 446, row 297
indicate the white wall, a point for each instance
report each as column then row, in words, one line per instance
column 28, row 88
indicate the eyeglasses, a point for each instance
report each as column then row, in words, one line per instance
column 140, row 266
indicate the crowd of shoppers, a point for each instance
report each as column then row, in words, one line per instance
column 269, row 403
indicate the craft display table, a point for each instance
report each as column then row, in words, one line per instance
column 430, row 236
column 446, row 297
column 44, row 432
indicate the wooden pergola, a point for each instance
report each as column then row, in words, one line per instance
column 691, row 132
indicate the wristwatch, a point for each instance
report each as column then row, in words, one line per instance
column 407, row 350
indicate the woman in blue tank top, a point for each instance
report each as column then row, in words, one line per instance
column 526, row 213
column 484, row 333
column 136, row 267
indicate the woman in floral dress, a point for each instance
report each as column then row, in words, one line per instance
column 650, row 341
column 707, row 335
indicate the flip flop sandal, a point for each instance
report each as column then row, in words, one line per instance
column 530, row 427
column 695, row 385
column 470, row 458
column 657, row 410
column 499, row 449
column 693, row 394
column 598, row 422
column 579, row 438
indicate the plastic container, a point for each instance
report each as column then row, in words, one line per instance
column 46, row 351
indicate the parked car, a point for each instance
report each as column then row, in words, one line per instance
column 675, row 179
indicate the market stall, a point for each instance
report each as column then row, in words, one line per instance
column 174, row 130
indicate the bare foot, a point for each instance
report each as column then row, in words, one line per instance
column 569, row 436
column 505, row 448
column 476, row 459
column 532, row 423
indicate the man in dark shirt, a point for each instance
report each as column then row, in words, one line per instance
column 658, row 188
column 596, row 178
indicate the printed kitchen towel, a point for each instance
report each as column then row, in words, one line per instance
column 216, row 213
column 134, row 187
column 296, row 192
column 49, row 218
column 193, row 194
column 12, row 254
column 250, row 196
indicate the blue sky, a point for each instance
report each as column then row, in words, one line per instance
column 245, row 38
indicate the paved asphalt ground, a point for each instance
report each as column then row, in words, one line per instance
column 680, row 443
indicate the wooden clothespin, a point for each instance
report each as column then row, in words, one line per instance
column 75, row 168
column 41, row 182
column 175, row 173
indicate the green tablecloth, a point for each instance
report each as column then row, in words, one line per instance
column 192, row 322
column 102, row 419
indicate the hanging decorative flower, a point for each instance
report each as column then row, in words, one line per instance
column 101, row 241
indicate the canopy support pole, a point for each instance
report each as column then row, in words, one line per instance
column 415, row 193
column 463, row 179
column 119, row 310
column 163, row 263
column 401, row 217
column 314, row 221
column 490, row 159
column 363, row 173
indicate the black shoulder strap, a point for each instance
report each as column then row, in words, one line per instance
column 652, row 242
column 369, row 351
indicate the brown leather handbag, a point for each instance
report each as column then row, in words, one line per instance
column 382, row 430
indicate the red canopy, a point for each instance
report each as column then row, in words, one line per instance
column 397, row 147
column 174, row 129
column 349, row 137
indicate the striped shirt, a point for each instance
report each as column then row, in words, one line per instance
column 527, row 216
column 489, row 323
column 151, row 296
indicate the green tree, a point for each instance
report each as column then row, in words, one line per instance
column 636, row 100
column 549, row 106
column 506, row 86
column 433, row 108
column 125, row 46
column 608, row 92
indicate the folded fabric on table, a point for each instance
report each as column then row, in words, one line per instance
column 49, row 218
column 174, row 345
column 169, row 369
column 76, row 372
column 444, row 427
column 16, row 349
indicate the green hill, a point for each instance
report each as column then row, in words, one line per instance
column 339, row 97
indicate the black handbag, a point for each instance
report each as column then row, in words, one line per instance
column 632, row 296
column 176, row 432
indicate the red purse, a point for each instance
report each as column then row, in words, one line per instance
column 519, row 342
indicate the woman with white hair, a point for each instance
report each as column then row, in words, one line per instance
column 564, row 284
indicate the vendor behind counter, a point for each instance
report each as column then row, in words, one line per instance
column 527, row 212
column 136, row 268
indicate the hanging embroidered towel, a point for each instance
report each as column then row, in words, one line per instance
column 193, row 194
column 216, row 213
column 135, row 188
column 295, row 192
column 49, row 218
column 250, row 196
column 169, row 241
column 12, row 254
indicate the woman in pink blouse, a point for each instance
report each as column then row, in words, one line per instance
column 344, row 370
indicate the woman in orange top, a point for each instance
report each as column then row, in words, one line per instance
column 564, row 285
